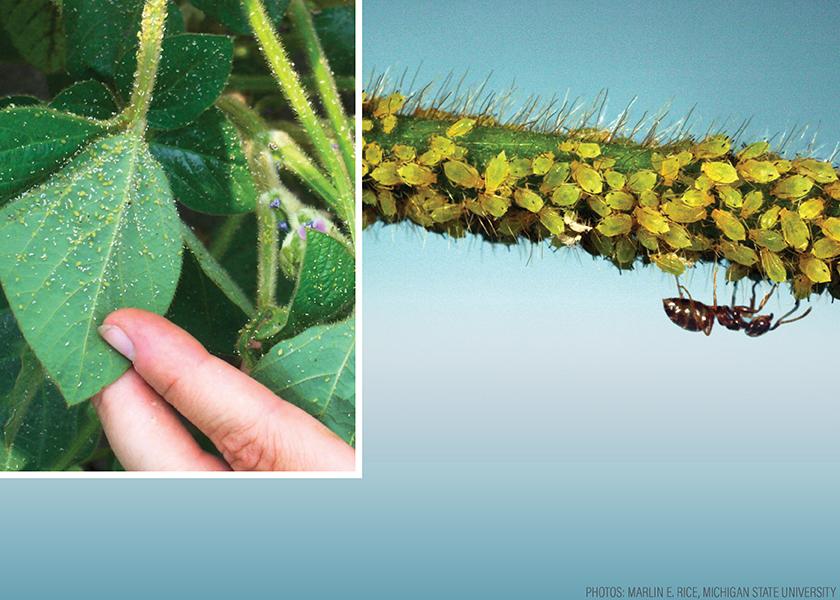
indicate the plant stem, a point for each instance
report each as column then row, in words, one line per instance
column 90, row 428
column 224, row 235
column 266, row 83
column 290, row 84
column 324, row 82
column 268, row 238
column 27, row 385
column 148, row 56
column 216, row 272
column 292, row 157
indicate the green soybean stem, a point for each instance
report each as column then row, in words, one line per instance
column 268, row 238
column 278, row 60
column 293, row 158
column 324, row 82
column 148, row 56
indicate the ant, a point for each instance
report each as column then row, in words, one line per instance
column 693, row 315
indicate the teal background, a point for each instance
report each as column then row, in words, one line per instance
column 533, row 424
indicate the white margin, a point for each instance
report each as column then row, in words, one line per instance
column 355, row 474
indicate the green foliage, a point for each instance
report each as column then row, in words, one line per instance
column 89, row 185
column 336, row 27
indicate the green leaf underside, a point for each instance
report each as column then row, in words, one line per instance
column 87, row 99
column 206, row 166
column 336, row 29
column 326, row 287
column 34, row 141
column 38, row 432
column 193, row 71
column 101, row 234
column 203, row 310
column 35, row 29
column 231, row 14
column 100, row 32
column 12, row 101
column 316, row 371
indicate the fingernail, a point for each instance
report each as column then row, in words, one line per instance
column 118, row 340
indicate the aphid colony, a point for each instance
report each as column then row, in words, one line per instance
column 671, row 205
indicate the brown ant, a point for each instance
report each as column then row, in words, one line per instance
column 693, row 315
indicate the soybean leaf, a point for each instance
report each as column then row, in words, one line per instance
column 35, row 29
column 34, row 141
column 206, row 166
column 316, row 371
column 193, row 71
column 87, row 99
column 37, row 430
column 11, row 101
column 336, row 29
column 101, row 234
column 231, row 14
column 203, row 310
column 325, row 289
column 100, row 32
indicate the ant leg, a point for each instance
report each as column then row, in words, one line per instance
column 679, row 287
column 782, row 320
column 714, row 285
column 752, row 298
column 767, row 297
column 734, row 291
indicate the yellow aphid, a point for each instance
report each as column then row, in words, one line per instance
column 649, row 198
column 697, row 198
column 773, row 266
column 496, row 172
column 552, row 220
column 685, row 158
column 430, row 158
column 520, row 167
column 826, row 248
column 494, row 205
column 793, row 187
column 794, row 229
column 444, row 146
column 613, row 225
column 670, row 169
column 651, row 220
column 833, row 190
column 542, row 163
column 414, row 174
column 620, row 200
column 367, row 125
column 704, row 183
column 758, row 171
column 729, row 225
column 700, row 243
column 386, row 173
column 752, row 202
column 625, row 251
column 602, row 163
column 677, row 237
column 648, row 240
column 811, row 209
column 730, row 196
column 598, row 206
column 459, row 152
column 754, row 150
column 739, row 253
column 602, row 244
column 556, row 175
column 680, row 212
column 831, row 228
column 641, row 181
column 588, row 150
column 387, row 204
column 772, row 240
column 588, row 178
column 446, row 213
column 567, row 146
column 720, row 172
column 770, row 217
column 819, row 171
column 403, row 152
column 460, row 127
column 615, row 179
column 389, row 105
column 565, row 194
column 373, row 153
column 528, row 200
column 389, row 123
column 712, row 147
column 736, row 272
column 782, row 166
column 460, row 173
column 369, row 197
column 670, row 263
column 815, row 269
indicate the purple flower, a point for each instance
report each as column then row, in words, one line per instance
column 283, row 226
column 275, row 203
column 302, row 232
column 319, row 225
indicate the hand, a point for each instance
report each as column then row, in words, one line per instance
column 252, row 428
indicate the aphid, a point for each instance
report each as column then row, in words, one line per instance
column 831, row 228
column 417, row 175
column 642, row 181
column 729, row 225
column 620, row 201
column 826, row 248
column 720, row 172
column 680, row 212
column 773, row 266
column 754, row 150
column 794, row 229
column 528, row 200
column 496, row 172
column 815, row 269
column 542, row 163
column 811, row 209
column 739, row 253
column 651, row 220
column 617, row 224
column 712, row 147
column 566, row 194
column 552, row 220
column 588, row 179
column 460, row 173
column 821, row 172
column 793, row 187
column 670, row 263
column 460, row 127
column 758, row 171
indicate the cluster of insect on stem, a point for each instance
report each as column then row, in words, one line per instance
column 670, row 203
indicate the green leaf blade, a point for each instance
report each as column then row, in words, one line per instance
column 101, row 234
column 231, row 14
column 316, row 372
column 207, row 169
column 34, row 141
column 35, row 29
column 88, row 98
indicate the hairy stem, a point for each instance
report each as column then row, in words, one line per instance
column 293, row 158
column 266, row 83
column 324, row 82
column 148, row 56
column 268, row 237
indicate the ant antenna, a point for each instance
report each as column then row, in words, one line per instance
column 782, row 320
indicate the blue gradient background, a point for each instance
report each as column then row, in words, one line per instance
column 533, row 424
